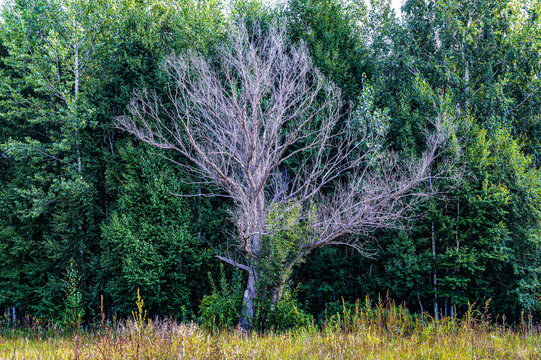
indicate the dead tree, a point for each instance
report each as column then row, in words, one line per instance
column 240, row 118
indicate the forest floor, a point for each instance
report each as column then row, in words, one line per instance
column 362, row 340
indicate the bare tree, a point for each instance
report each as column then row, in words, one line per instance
column 241, row 119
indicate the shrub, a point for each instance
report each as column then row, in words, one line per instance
column 222, row 308
column 282, row 315
column 73, row 302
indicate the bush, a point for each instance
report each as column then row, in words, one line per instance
column 282, row 315
column 222, row 308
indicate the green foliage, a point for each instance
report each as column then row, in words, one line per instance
column 329, row 28
column 476, row 58
column 282, row 250
column 329, row 274
column 348, row 317
column 62, row 164
column 49, row 182
column 280, row 315
column 73, row 312
column 482, row 232
column 370, row 125
column 222, row 308
column 275, row 305
column 73, row 187
column 149, row 240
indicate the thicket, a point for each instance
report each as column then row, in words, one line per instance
column 88, row 211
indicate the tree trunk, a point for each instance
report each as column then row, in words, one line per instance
column 467, row 64
column 445, row 313
column 421, row 307
column 276, row 293
column 435, row 275
column 253, row 248
column 248, row 303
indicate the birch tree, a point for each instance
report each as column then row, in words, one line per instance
column 51, row 46
column 49, row 60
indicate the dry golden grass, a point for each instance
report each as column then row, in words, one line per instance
column 390, row 334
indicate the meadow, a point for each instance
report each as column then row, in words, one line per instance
column 385, row 332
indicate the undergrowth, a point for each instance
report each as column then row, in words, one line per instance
column 356, row 331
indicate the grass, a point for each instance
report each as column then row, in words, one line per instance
column 385, row 332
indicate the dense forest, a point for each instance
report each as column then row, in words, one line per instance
column 92, row 216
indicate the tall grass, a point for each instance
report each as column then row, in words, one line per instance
column 357, row 331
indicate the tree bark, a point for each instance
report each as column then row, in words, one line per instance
column 275, row 295
column 467, row 64
column 435, row 275
column 445, row 313
column 421, row 306
column 248, row 303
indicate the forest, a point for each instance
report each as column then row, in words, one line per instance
column 268, row 165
